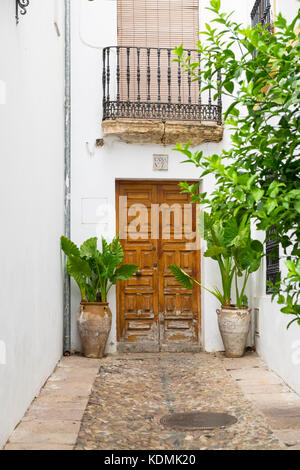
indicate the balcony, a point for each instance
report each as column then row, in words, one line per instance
column 148, row 99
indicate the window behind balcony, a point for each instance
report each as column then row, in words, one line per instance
column 158, row 23
column 150, row 28
column 262, row 14
column 272, row 261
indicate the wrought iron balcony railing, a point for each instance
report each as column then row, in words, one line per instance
column 261, row 14
column 145, row 83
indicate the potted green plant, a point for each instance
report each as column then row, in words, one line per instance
column 229, row 243
column 95, row 272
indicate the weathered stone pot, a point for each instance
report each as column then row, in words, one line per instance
column 94, row 323
column 234, row 324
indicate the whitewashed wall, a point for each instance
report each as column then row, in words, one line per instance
column 31, row 202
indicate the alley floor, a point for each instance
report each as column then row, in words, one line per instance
column 117, row 403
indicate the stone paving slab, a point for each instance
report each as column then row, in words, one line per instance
column 272, row 397
column 53, row 420
column 133, row 392
column 38, row 446
column 290, row 437
column 58, row 432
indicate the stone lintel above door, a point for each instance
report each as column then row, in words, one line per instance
column 158, row 132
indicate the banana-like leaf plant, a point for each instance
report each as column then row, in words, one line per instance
column 94, row 271
column 229, row 243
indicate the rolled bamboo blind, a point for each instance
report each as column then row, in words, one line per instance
column 156, row 24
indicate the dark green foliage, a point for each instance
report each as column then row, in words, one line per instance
column 259, row 177
column 229, row 243
column 96, row 272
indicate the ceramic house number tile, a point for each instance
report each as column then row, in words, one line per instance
column 160, row 162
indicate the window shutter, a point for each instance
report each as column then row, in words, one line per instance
column 272, row 261
column 156, row 24
column 262, row 14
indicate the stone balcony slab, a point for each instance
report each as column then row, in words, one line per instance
column 140, row 131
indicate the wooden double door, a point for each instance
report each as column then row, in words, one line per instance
column 157, row 226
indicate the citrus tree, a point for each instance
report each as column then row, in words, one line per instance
column 260, row 173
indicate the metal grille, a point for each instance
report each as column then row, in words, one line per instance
column 145, row 83
column 261, row 14
column 272, row 258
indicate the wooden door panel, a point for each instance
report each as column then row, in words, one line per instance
column 138, row 297
column 178, row 308
column 153, row 309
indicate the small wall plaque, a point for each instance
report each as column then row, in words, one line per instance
column 160, row 162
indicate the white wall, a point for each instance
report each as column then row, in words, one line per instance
column 31, row 202
column 288, row 8
column 279, row 347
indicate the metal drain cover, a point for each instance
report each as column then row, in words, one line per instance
column 198, row 420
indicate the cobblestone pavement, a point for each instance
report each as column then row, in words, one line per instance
column 133, row 392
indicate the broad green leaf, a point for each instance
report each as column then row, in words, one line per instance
column 105, row 246
column 79, row 266
column 89, row 248
column 257, row 246
column 68, row 247
column 230, row 231
column 117, row 250
column 126, row 271
column 255, row 265
column 182, row 277
column 114, row 244
column 245, row 258
column 214, row 251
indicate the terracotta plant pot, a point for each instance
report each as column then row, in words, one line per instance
column 94, row 323
column 234, row 324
